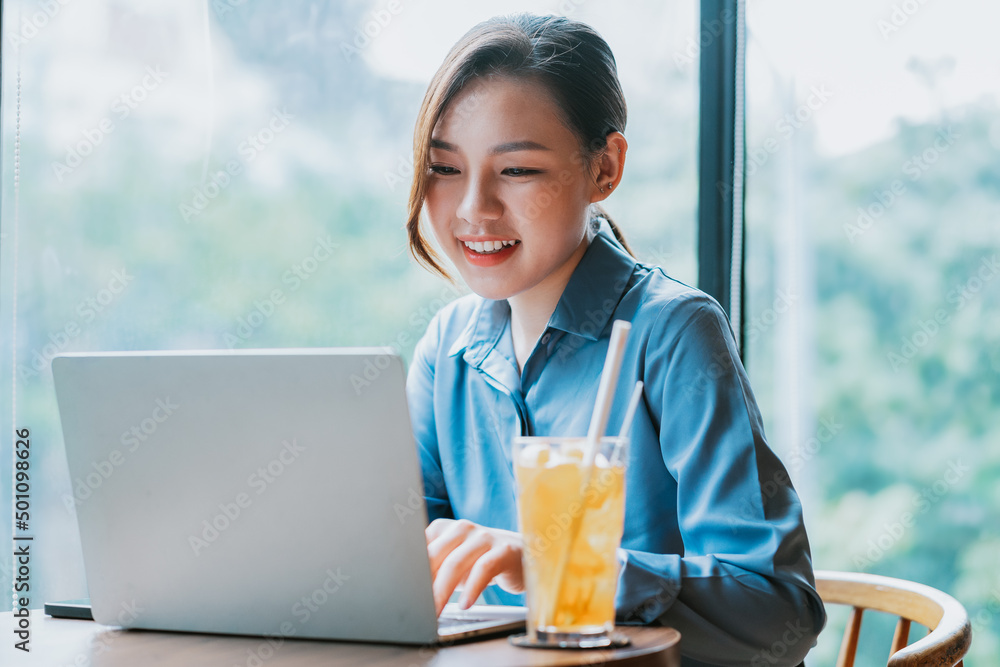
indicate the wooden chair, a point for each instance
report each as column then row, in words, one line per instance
column 950, row 632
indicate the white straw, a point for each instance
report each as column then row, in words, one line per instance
column 606, row 389
column 633, row 404
column 599, row 421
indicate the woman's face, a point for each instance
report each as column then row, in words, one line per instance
column 508, row 191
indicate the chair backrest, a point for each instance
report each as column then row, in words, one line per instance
column 945, row 617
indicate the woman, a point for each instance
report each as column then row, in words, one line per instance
column 518, row 140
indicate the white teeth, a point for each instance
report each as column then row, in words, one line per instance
column 488, row 246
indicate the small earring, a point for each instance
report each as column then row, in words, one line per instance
column 610, row 185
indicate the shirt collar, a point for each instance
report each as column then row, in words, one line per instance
column 587, row 303
column 483, row 329
column 595, row 288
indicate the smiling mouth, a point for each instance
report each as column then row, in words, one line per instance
column 488, row 247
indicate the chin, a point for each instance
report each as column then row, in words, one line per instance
column 489, row 289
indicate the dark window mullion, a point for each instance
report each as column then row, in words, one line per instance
column 721, row 157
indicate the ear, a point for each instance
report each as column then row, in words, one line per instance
column 608, row 167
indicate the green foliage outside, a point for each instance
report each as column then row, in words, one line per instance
column 912, row 434
column 902, row 357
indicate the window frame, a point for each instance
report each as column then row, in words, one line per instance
column 722, row 156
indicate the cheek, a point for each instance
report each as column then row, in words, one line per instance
column 552, row 204
column 436, row 206
column 535, row 202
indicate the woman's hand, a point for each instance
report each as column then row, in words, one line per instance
column 467, row 554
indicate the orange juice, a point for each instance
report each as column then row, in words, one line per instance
column 570, row 594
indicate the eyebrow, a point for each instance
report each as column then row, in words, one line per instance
column 508, row 147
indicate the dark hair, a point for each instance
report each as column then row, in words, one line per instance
column 568, row 57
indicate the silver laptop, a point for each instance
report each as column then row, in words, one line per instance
column 253, row 492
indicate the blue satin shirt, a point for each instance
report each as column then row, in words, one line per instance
column 714, row 544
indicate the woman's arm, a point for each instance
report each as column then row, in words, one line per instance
column 420, row 401
column 743, row 591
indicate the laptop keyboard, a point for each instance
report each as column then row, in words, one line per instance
column 455, row 621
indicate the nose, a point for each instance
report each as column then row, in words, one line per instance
column 480, row 201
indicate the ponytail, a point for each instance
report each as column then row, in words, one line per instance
column 598, row 212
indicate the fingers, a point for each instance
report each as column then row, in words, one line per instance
column 501, row 558
column 436, row 527
column 456, row 567
column 443, row 536
column 465, row 554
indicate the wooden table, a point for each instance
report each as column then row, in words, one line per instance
column 69, row 643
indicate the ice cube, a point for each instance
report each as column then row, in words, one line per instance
column 534, row 456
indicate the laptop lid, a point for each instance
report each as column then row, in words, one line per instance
column 261, row 492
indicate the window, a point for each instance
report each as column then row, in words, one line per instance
column 213, row 174
column 873, row 287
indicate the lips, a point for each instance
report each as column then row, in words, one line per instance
column 490, row 252
column 488, row 246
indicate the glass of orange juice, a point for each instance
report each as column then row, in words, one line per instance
column 571, row 520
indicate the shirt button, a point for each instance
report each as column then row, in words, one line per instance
column 545, row 338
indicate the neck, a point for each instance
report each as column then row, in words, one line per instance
column 531, row 310
column 529, row 315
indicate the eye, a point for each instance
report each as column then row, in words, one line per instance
column 443, row 170
column 520, row 171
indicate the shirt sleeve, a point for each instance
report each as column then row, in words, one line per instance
column 743, row 590
column 420, row 401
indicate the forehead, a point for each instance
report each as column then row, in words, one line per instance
column 493, row 108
